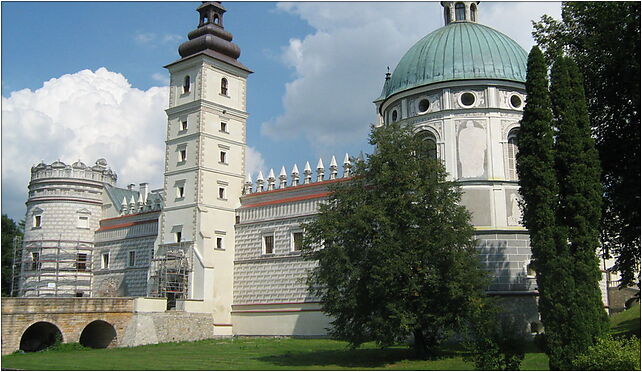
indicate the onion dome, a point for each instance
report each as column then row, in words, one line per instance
column 210, row 37
column 461, row 50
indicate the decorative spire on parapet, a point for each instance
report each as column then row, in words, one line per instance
column 147, row 200
column 307, row 173
column 295, row 175
column 123, row 206
column 132, row 205
column 271, row 180
column 248, row 184
column 333, row 168
column 283, row 178
column 347, row 166
column 320, row 170
column 259, row 182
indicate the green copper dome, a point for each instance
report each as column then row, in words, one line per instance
column 458, row 51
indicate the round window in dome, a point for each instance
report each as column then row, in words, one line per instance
column 423, row 105
column 516, row 101
column 467, row 99
column 394, row 115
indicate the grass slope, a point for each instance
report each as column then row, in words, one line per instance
column 627, row 322
column 248, row 354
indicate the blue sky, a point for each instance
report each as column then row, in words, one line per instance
column 317, row 68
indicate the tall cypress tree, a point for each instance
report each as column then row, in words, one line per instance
column 579, row 211
column 539, row 190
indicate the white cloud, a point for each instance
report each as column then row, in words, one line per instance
column 82, row 116
column 153, row 39
column 339, row 69
column 254, row 161
column 161, row 78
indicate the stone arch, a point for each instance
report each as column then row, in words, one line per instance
column 98, row 334
column 39, row 336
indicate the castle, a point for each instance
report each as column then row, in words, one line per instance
column 213, row 241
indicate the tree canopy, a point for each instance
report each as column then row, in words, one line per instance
column 603, row 38
column 10, row 230
column 395, row 251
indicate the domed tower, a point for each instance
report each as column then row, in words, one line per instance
column 462, row 88
column 63, row 212
column 204, row 168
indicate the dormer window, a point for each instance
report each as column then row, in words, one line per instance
column 224, row 86
column 460, row 12
column 186, row 84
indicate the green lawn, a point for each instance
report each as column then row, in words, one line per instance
column 248, row 354
column 626, row 322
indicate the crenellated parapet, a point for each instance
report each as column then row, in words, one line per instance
column 262, row 184
column 98, row 172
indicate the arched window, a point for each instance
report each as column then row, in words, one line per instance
column 186, row 84
column 511, row 155
column 460, row 12
column 224, row 86
column 429, row 145
column 473, row 12
column 447, row 14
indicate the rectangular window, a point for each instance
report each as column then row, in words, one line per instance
column 182, row 155
column 132, row 259
column 37, row 221
column 268, row 244
column 104, row 263
column 221, row 192
column 219, row 243
column 178, row 236
column 35, row 261
column 223, row 157
column 81, row 262
column 180, row 191
column 183, row 125
column 297, row 241
column 83, row 222
column 224, row 127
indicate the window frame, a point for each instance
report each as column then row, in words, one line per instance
column 264, row 243
column 510, row 155
column 219, row 239
column 187, row 84
column 223, row 127
column 460, row 10
column 183, row 126
column 85, row 225
column 293, row 240
column 222, row 157
column 104, row 260
column 35, row 261
column 81, row 261
column 130, row 255
column 224, row 87
column 37, row 221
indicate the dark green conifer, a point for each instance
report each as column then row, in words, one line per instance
column 579, row 211
column 539, row 190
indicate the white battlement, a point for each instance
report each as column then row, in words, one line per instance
column 99, row 172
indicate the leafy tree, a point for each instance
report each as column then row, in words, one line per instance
column 10, row 230
column 578, row 213
column 493, row 340
column 398, row 254
column 604, row 39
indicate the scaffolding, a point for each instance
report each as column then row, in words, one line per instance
column 170, row 270
column 46, row 267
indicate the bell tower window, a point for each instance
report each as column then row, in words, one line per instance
column 224, row 86
column 186, row 84
column 460, row 12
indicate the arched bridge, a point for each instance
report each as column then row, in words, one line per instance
column 32, row 324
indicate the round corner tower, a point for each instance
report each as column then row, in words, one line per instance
column 63, row 212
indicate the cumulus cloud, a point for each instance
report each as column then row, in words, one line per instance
column 339, row 68
column 82, row 116
column 254, row 161
column 161, row 78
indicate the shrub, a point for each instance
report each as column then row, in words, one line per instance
column 610, row 354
